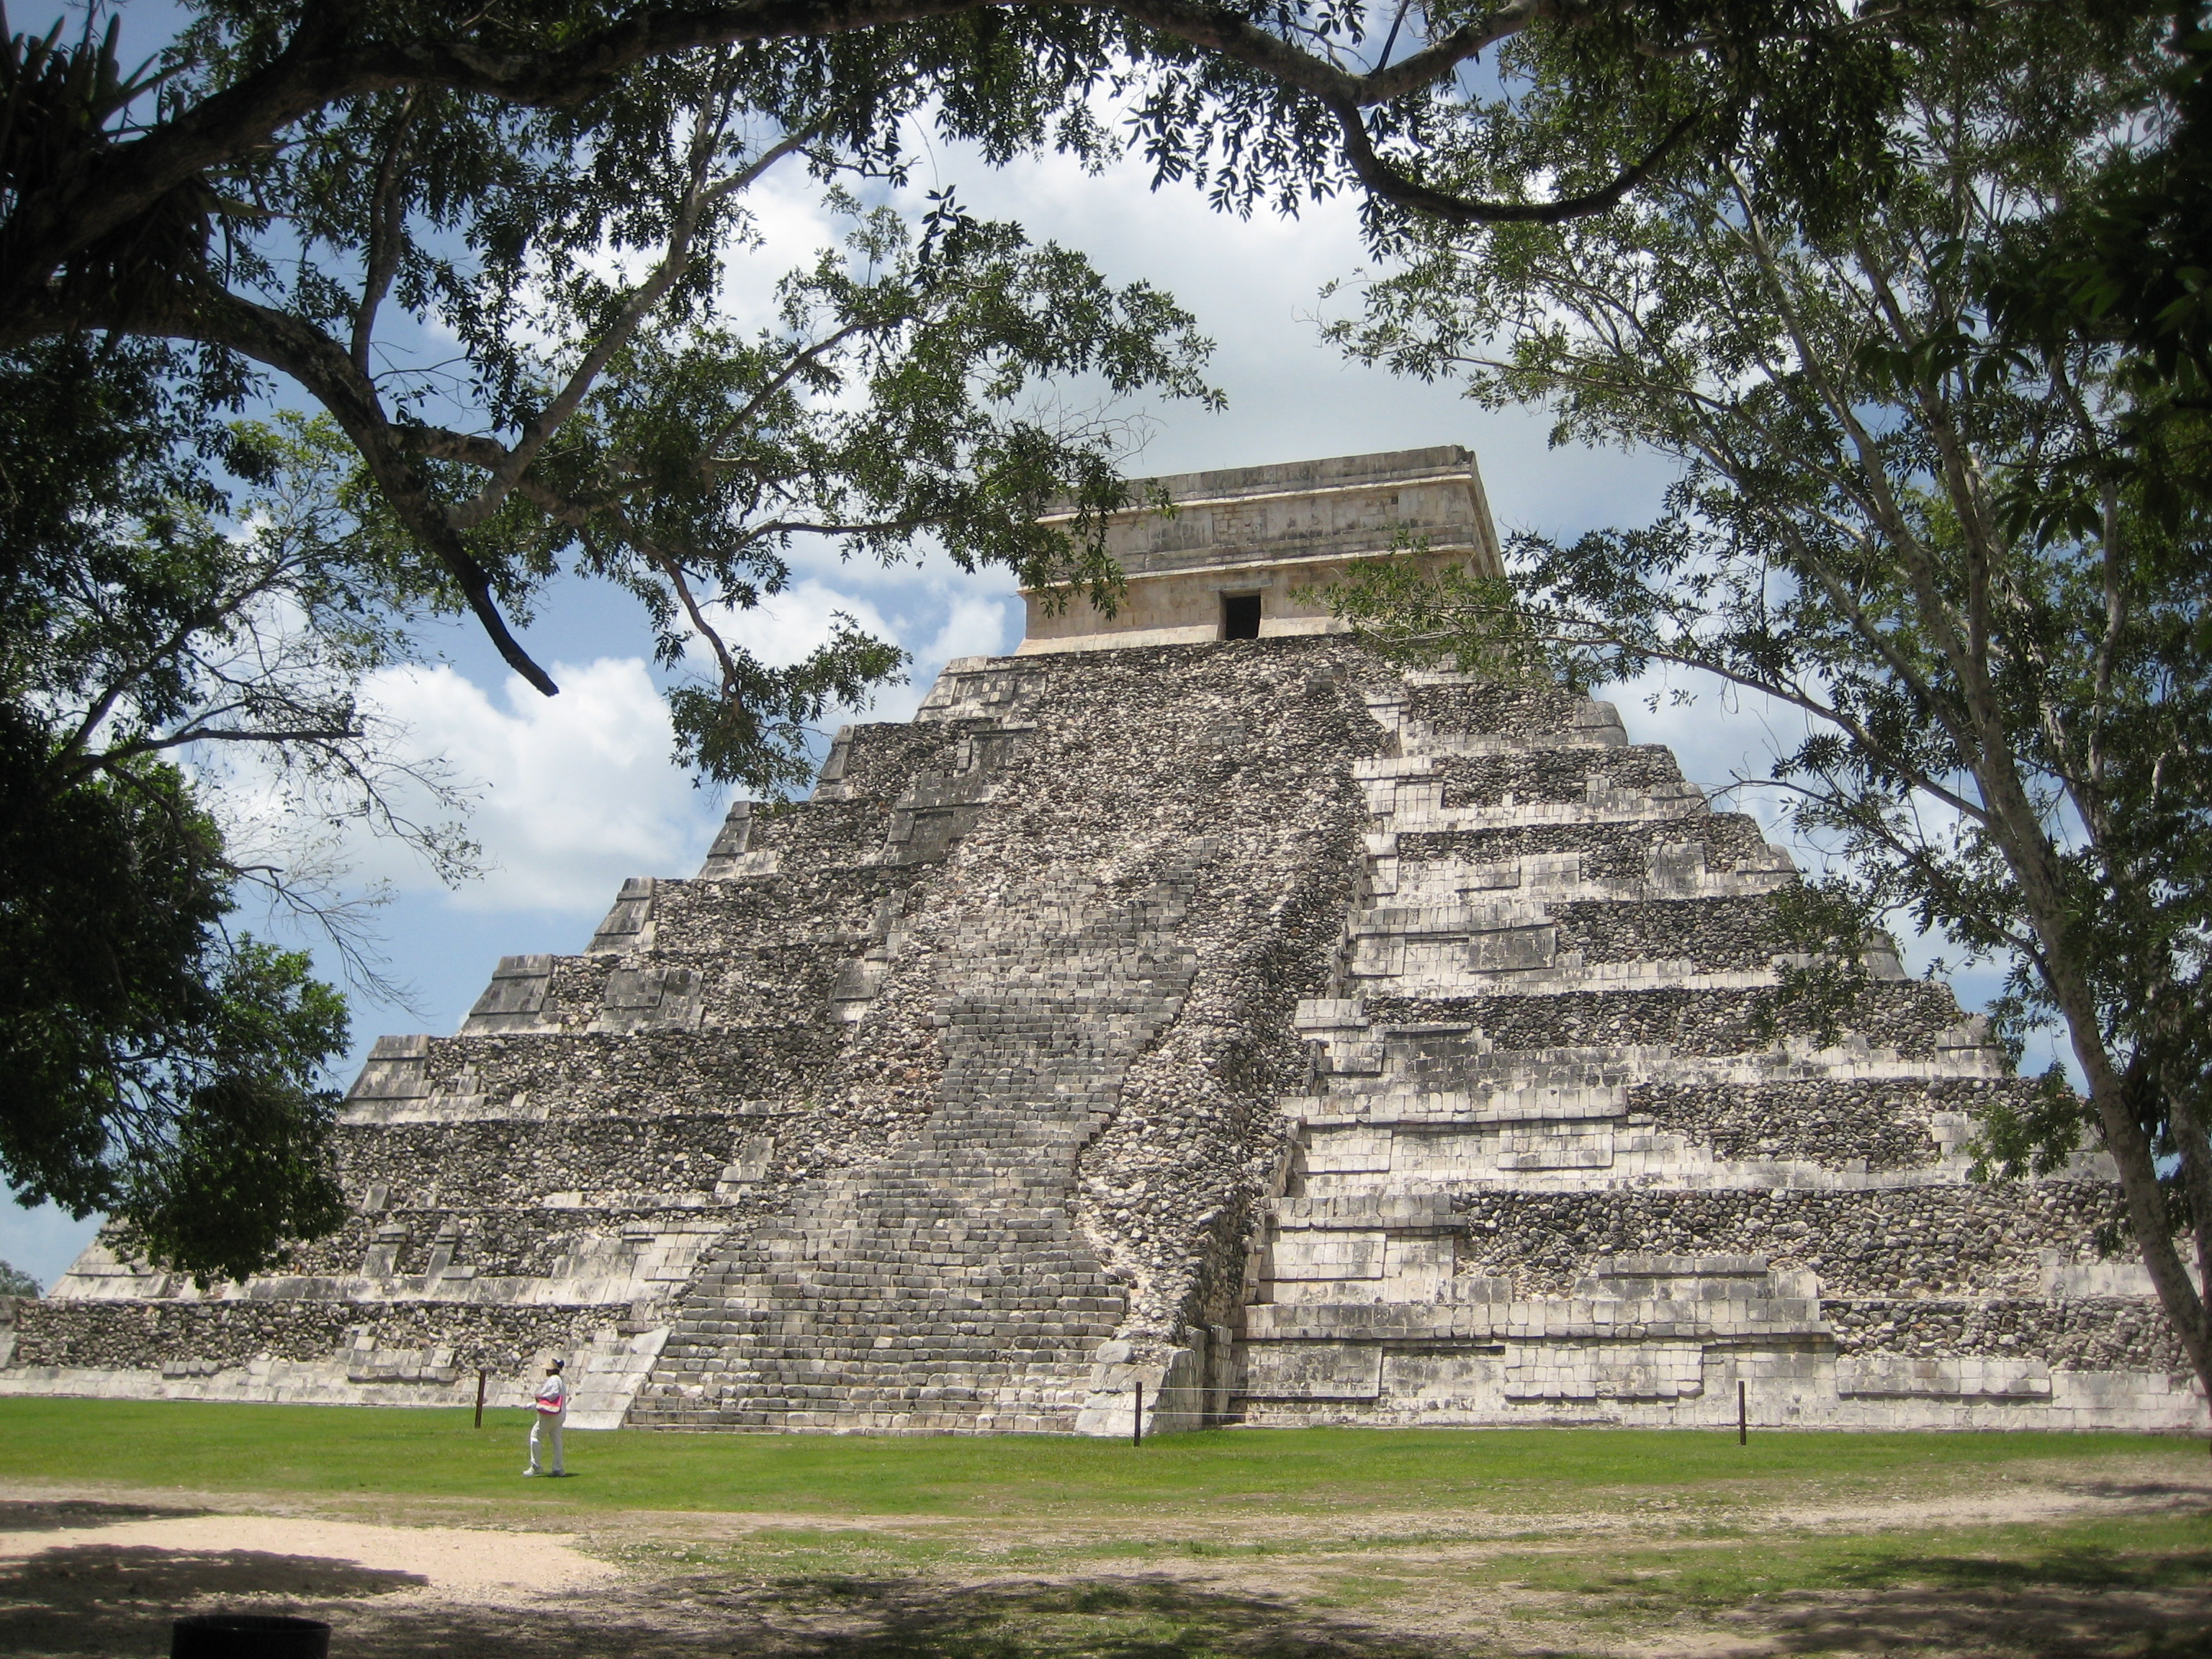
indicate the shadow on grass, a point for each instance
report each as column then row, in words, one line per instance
column 1144, row 1618
column 817, row 1619
column 117, row 1599
column 2094, row 1567
column 2046, row 1623
column 2065, row 1601
column 35, row 1515
column 2078, row 1604
column 835, row 1617
column 854, row 1618
column 2144, row 1494
column 1101, row 1618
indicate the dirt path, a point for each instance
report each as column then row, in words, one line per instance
column 89, row 1569
column 446, row 1560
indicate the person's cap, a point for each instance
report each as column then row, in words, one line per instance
column 558, row 1364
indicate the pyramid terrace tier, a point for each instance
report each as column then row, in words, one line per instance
column 1433, row 720
column 1720, row 852
column 1655, row 1382
column 317, row 1350
column 763, row 988
column 1533, row 947
column 1346, row 1157
column 1535, row 884
column 823, row 905
column 1440, row 1102
column 1433, row 714
column 1428, row 795
column 1541, row 777
column 1703, row 1128
column 531, row 1077
column 666, row 1111
column 670, row 1158
column 1370, row 1064
column 1888, row 1019
column 1661, row 1339
column 1995, row 1239
column 231, row 1335
column 543, row 1254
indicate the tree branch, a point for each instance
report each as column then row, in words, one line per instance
column 698, row 198
column 298, row 349
column 326, row 61
column 386, row 219
column 1386, row 181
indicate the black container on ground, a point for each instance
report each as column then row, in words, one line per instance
column 248, row 1635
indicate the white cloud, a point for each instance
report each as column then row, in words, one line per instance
column 577, row 791
column 973, row 627
column 1254, row 285
column 930, row 608
column 783, row 627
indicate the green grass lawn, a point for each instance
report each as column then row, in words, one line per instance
column 1318, row 1543
column 437, row 1454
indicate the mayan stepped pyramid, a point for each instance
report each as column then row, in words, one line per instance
column 1188, row 999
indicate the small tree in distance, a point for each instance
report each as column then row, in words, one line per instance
column 1934, row 545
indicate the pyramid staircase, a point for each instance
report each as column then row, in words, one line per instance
column 946, row 1288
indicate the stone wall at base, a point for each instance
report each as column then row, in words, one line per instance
column 1297, row 1039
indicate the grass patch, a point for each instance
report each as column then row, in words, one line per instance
column 347, row 1450
column 1651, row 1582
column 2011, row 1590
column 2152, row 1553
column 1120, row 1621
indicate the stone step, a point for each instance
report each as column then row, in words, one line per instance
column 1630, row 850
column 1912, row 1017
column 921, row 1263
column 1465, row 706
column 1623, row 1319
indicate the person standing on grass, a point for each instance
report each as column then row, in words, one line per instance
column 552, row 1412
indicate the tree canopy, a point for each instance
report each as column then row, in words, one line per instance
column 161, row 1066
column 288, row 175
column 2125, row 261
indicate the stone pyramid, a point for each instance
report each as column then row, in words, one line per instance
column 1238, row 1018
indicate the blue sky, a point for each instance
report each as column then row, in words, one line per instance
column 577, row 793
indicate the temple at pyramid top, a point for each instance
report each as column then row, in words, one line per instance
column 1223, row 565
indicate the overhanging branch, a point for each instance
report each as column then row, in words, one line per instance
column 1386, row 182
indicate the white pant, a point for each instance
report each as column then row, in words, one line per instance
column 546, row 1430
